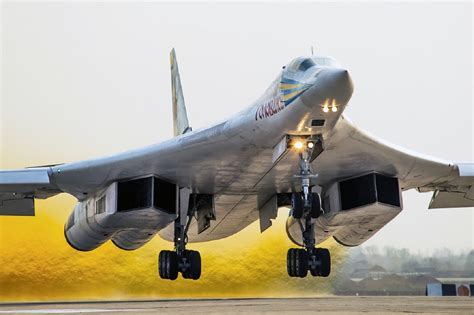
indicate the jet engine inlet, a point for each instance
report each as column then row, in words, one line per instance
column 128, row 212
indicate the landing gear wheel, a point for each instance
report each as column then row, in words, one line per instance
column 297, row 262
column 315, row 205
column 298, row 205
column 325, row 257
column 323, row 266
column 193, row 270
column 302, row 263
column 168, row 265
column 290, row 262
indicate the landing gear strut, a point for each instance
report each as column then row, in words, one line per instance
column 306, row 207
column 188, row 262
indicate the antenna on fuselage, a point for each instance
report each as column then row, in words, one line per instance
column 312, row 50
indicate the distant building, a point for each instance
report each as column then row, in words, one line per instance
column 425, row 270
column 449, row 289
column 360, row 270
column 377, row 272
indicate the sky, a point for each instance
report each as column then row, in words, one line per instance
column 82, row 80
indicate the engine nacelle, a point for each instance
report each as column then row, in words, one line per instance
column 355, row 209
column 130, row 239
column 128, row 212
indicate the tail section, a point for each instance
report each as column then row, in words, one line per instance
column 180, row 117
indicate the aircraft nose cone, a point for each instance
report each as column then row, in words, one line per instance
column 330, row 83
column 335, row 77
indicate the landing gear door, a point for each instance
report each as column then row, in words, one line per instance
column 317, row 149
column 205, row 211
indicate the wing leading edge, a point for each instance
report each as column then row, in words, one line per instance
column 352, row 150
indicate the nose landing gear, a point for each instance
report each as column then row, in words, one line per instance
column 306, row 208
column 301, row 260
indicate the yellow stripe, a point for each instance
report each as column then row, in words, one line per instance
column 288, row 86
column 288, row 96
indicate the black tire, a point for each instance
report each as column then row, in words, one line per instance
column 194, row 260
column 315, row 272
column 301, row 260
column 324, row 258
column 325, row 262
column 161, row 268
column 168, row 265
column 297, row 205
column 289, row 266
column 173, row 265
column 163, row 263
column 315, row 205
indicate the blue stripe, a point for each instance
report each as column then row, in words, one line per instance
column 289, row 81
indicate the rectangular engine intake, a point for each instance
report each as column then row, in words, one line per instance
column 129, row 212
column 146, row 192
column 358, row 207
column 367, row 189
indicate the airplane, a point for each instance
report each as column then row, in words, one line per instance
column 293, row 147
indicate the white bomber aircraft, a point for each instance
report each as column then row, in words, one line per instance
column 292, row 147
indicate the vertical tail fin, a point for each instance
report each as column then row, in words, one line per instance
column 180, row 117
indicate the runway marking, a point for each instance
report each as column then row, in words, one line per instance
column 68, row 311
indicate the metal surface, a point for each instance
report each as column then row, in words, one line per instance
column 241, row 160
column 180, row 116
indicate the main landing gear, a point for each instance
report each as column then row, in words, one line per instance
column 188, row 262
column 306, row 208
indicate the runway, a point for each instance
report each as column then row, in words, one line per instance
column 323, row 305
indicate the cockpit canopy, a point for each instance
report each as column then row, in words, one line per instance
column 304, row 63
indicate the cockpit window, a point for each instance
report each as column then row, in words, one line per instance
column 326, row 61
column 306, row 64
column 301, row 64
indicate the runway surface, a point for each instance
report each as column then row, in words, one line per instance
column 324, row 305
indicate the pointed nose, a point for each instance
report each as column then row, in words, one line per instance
column 329, row 83
column 335, row 78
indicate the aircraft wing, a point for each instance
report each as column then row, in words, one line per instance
column 351, row 153
column 457, row 191
column 216, row 160
column 19, row 188
column 452, row 183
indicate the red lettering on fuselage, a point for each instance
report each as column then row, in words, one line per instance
column 269, row 108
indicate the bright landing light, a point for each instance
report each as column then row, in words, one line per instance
column 334, row 107
column 325, row 106
column 298, row 145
